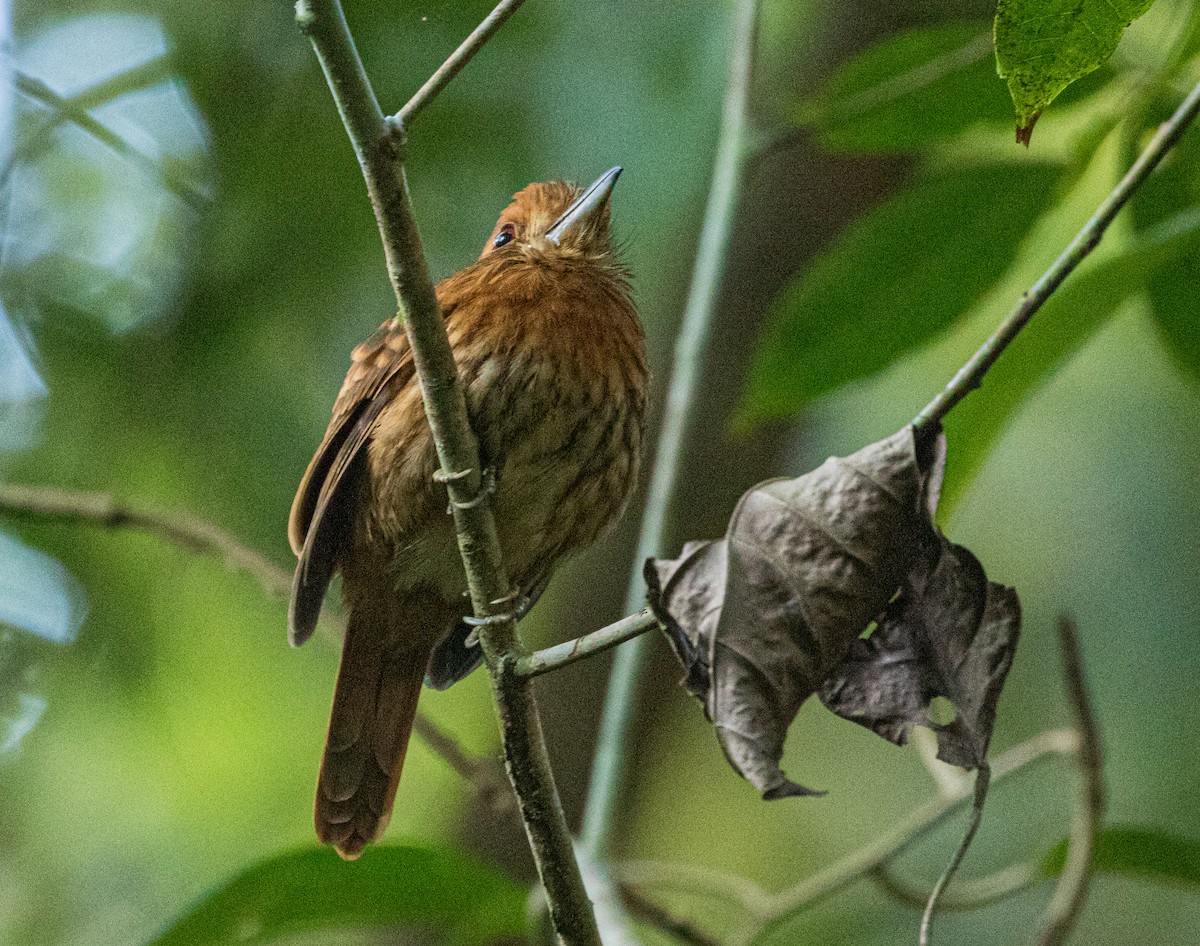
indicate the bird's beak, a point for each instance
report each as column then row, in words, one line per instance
column 585, row 213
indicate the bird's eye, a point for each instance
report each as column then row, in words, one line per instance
column 506, row 234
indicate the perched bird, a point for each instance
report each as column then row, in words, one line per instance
column 551, row 356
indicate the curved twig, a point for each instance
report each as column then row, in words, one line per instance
column 969, row 894
column 786, row 904
column 983, row 778
column 1065, row 905
column 696, row 878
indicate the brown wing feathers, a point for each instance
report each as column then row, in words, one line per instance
column 325, row 505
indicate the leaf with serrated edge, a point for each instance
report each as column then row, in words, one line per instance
column 1042, row 46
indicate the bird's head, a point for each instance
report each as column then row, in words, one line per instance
column 557, row 219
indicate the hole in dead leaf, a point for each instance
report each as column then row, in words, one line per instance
column 941, row 711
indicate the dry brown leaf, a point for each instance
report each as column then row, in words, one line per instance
column 773, row 613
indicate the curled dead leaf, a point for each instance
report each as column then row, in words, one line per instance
column 774, row 612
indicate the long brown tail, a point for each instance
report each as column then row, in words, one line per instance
column 374, row 705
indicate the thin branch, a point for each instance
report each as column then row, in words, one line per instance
column 698, row 879
column 78, row 115
column 970, row 376
column 179, row 528
column 194, row 534
column 786, row 904
column 378, row 146
column 648, row 911
column 568, row 652
column 968, row 895
column 608, row 769
column 459, row 58
column 1065, row 905
column 481, row 772
column 143, row 76
column 983, row 778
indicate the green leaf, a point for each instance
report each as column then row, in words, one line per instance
column 1068, row 320
column 313, row 889
column 891, row 282
column 1130, row 851
column 912, row 90
column 1042, row 46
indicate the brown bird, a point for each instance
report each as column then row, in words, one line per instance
column 551, row 356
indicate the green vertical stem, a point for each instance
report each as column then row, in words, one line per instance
column 608, row 771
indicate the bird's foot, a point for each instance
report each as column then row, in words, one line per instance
column 520, row 606
column 487, row 487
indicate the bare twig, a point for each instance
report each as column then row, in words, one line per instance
column 648, row 911
column 968, row 895
column 482, row 772
column 459, row 58
column 77, row 114
column 376, row 144
column 970, row 376
column 697, row 879
column 193, row 534
column 1062, row 912
column 786, row 904
column 608, row 769
column 561, row 655
column 179, row 528
column 983, row 778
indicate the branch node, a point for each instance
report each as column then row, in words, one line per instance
column 305, row 17
column 397, row 134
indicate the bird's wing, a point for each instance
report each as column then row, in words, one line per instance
column 324, row 507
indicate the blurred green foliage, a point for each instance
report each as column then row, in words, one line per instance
column 188, row 357
column 310, row 889
column 876, row 268
column 1137, row 852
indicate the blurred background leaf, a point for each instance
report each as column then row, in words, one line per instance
column 878, row 293
column 1175, row 288
column 1132, row 851
column 431, row 890
column 911, row 91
